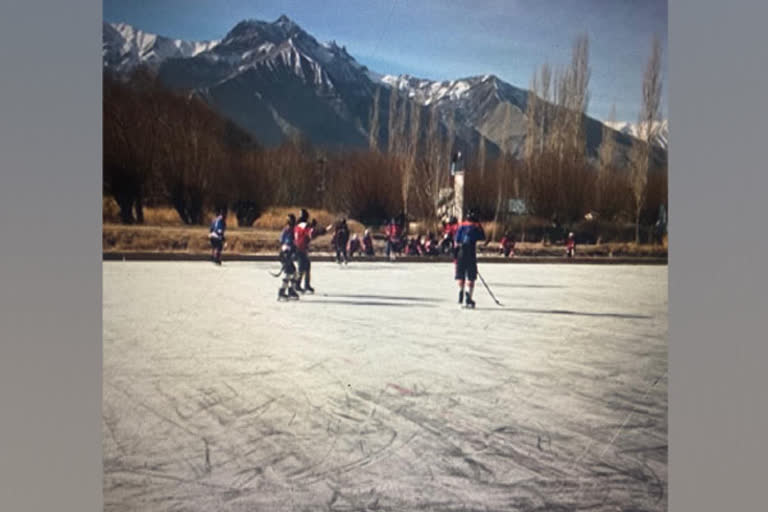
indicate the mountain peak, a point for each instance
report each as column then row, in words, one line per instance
column 285, row 22
column 254, row 32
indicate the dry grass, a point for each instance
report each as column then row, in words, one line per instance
column 582, row 250
column 117, row 237
column 194, row 239
column 274, row 218
column 164, row 231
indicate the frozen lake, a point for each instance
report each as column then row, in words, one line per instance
column 378, row 393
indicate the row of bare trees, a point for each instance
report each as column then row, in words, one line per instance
column 166, row 148
column 559, row 180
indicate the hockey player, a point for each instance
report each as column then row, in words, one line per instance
column 287, row 248
column 216, row 236
column 467, row 235
column 412, row 248
column 302, row 235
column 570, row 246
column 507, row 245
column 354, row 246
column 449, row 233
column 340, row 239
column 430, row 244
column 394, row 232
column 368, row 243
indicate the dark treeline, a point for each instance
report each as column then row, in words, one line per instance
column 165, row 148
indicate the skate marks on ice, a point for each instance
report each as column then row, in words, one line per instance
column 347, row 299
column 568, row 312
column 368, row 303
column 402, row 449
column 385, row 297
column 254, row 405
column 519, row 285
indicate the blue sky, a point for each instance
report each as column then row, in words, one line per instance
column 447, row 39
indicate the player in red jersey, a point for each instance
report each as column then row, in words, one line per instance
column 302, row 234
column 507, row 247
column 570, row 246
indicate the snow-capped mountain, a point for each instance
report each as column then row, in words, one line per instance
column 633, row 129
column 125, row 47
column 254, row 42
column 276, row 80
column 490, row 106
column 484, row 104
column 430, row 92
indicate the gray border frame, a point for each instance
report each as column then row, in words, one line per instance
column 718, row 413
column 50, row 269
column 50, row 272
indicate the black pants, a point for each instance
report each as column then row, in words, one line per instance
column 341, row 253
column 302, row 259
column 466, row 265
column 287, row 263
column 217, row 244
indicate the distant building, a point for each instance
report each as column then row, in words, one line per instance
column 517, row 206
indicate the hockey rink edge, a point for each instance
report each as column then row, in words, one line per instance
column 184, row 256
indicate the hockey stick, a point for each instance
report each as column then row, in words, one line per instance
column 489, row 290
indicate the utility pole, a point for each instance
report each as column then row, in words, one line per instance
column 457, row 171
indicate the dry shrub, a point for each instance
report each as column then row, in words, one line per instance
column 188, row 239
column 274, row 218
column 162, row 216
column 110, row 211
column 231, row 219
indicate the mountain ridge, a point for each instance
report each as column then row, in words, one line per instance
column 276, row 80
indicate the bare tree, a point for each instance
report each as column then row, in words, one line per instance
column 392, row 121
column 606, row 157
column 426, row 186
column 502, row 172
column 481, row 157
column 650, row 113
column 545, row 119
column 410, row 150
column 373, row 132
column 531, row 120
column 577, row 96
column 555, row 149
column 538, row 113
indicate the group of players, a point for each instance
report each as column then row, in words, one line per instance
column 458, row 238
column 294, row 256
column 296, row 266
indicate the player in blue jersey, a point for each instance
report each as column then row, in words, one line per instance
column 287, row 250
column 216, row 236
column 467, row 235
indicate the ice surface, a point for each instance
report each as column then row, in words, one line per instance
column 379, row 393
